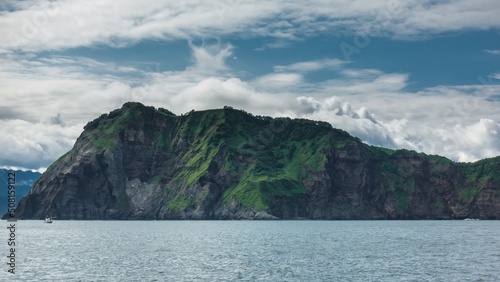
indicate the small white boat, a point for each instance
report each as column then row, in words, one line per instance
column 47, row 220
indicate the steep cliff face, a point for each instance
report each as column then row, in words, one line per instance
column 139, row 162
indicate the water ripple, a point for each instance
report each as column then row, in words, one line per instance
column 264, row 251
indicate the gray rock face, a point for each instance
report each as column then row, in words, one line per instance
column 142, row 163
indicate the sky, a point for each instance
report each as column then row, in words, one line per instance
column 420, row 75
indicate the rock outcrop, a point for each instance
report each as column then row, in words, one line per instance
column 139, row 162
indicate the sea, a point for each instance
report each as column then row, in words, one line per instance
column 253, row 251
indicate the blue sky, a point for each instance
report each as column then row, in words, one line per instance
column 420, row 75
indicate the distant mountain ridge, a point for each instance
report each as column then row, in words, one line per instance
column 139, row 162
column 24, row 181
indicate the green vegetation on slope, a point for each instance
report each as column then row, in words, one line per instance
column 281, row 157
column 476, row 175
column 179, row 203
column 104, row 130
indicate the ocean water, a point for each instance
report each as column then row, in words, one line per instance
column 255, row 250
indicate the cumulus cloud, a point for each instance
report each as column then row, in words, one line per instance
column 51, row 25
column 218, row 92
column 307, row 105
column 35, row 145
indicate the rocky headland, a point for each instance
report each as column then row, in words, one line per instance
column 139, row 162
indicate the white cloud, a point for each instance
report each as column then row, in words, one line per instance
column 309, row 66
column 492, row 52
column 307, row 105
column 218, row 92
column 50, row 25
column 495, row 76
column 211, row 58
column 35, row 145
column 373, row 82
column 276, row 44
column 279, row 80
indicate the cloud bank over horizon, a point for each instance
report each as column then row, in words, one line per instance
column 50, row 95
